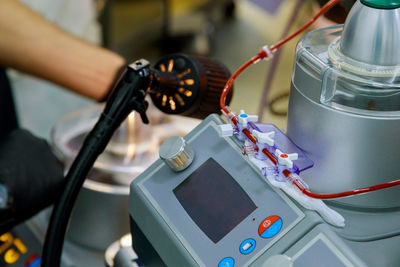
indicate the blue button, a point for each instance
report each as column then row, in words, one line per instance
column 247, row 246
column 227, row 262
column 273, row 229
column 243, row 115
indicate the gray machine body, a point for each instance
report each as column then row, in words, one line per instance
column 349, row 150
column 163, row 229
column 339, row 120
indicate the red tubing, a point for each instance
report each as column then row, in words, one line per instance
column 322, row 11
column 230, row 82
column 265, row 151
column 342, row 194
column 250, row 136
column 263, row 54
column 270, row 156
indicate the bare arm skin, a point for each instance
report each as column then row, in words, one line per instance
column 33, row 45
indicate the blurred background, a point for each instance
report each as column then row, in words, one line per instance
column 231, row 31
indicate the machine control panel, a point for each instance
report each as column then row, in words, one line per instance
column 176, row 153
column 247, row 246
column 227, row 262
column 20, row 247
column 270, row 226
column 220, row 208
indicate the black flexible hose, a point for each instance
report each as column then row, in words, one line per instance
column 93, row 146
column 128, row 95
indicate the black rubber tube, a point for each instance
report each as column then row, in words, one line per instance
column 92, row 147
column 128, row 95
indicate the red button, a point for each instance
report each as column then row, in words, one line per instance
column 264, row 225
column 31, row 259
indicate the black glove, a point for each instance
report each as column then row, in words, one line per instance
column 31, row 174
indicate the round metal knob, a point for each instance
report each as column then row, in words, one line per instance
column 176, row 153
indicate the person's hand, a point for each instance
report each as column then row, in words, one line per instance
column 31, row 175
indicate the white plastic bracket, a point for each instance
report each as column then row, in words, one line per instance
column 225, row 130
column 264, row 138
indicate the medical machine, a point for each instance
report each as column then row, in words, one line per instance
column 236, row 192
column 213, row 199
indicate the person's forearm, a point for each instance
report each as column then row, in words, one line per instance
column 31, row 44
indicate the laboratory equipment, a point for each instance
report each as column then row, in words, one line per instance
column 220, row 211
column 225, row 210
column 219, row 204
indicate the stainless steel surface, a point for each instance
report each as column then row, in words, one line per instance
column 133, row 147
column 99, row 216
column 349, row 151
column 176, row 153
column 125, row 258
column 120, row 253
column 372, row 35
column 347, row 123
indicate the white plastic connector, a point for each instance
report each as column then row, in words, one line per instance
column 294, row 177
column 270, row 54
column 244, row 119
column 225, row 130
column 264, row 138
column 248, row 150
column 328, row 214
column 286, row 159
column 229, row 115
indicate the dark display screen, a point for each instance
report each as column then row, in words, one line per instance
column 214, row 200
